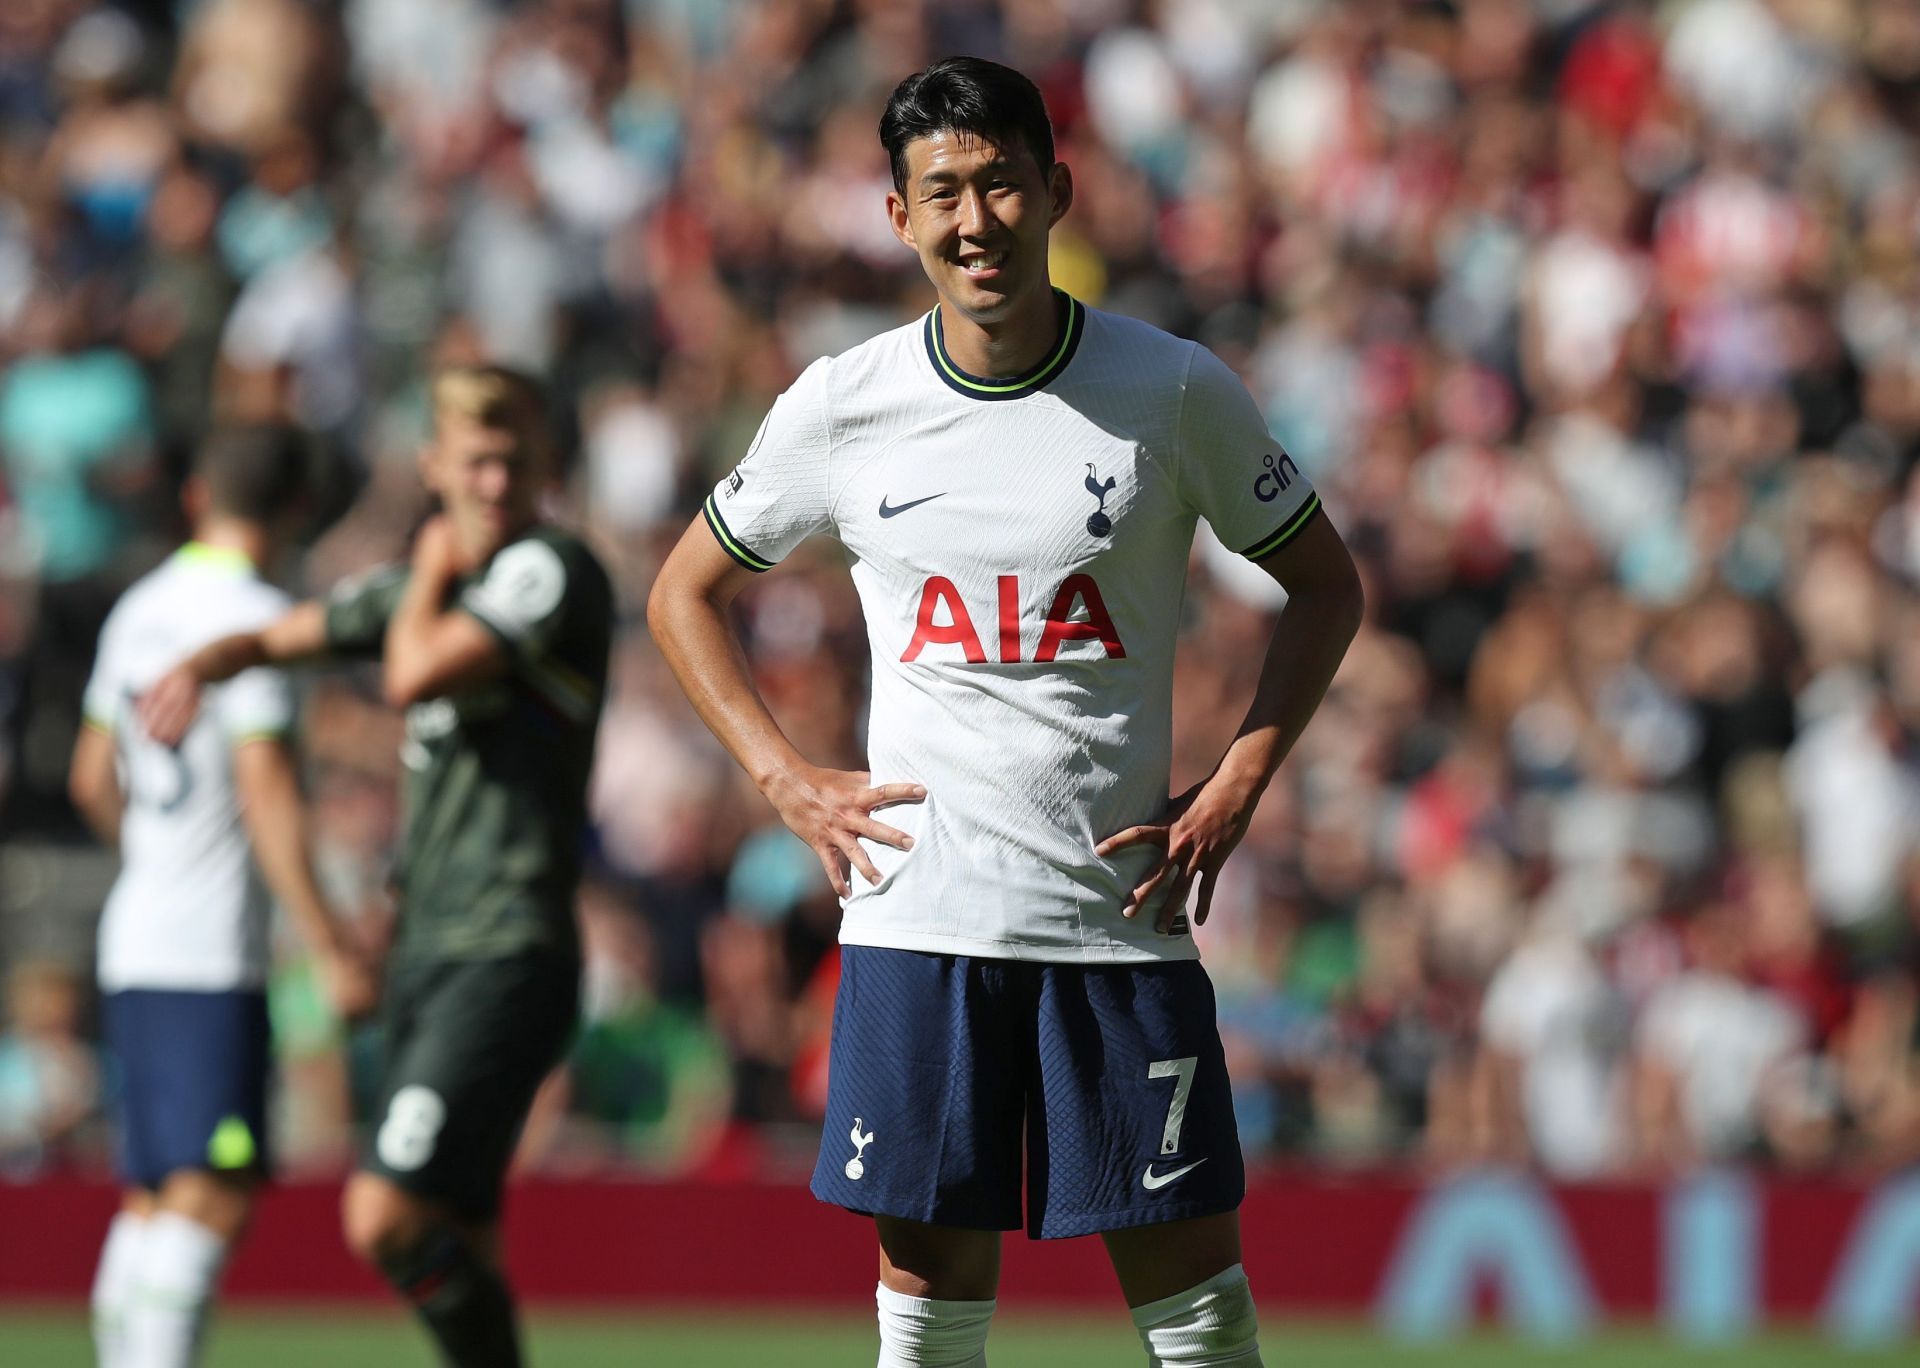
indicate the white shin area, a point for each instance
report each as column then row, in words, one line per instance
column 1211, row 1325
column 114, row 1281
column 919, row 1332
column 180, row 1263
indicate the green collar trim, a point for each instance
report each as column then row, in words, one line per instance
column 987, row 387
column 226, row 560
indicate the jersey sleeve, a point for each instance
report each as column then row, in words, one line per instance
column 254, row 704
column 778, row 495
column 522, row 596
column 358, row 610
column 1231, row 470
column 100, row 701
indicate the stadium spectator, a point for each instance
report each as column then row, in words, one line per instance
column 50, row 1083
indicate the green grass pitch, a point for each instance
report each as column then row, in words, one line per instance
column 746, row 1338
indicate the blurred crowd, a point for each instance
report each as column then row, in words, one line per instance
column 1596, row 324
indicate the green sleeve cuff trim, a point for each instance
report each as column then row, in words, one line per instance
column 1287, row 531
column 731, row 544
column 99, row 724
column 263, row 734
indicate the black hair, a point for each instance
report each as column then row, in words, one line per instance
column 255, row 471
column 966, row 95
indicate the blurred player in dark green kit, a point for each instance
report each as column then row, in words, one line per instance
column 494, row 638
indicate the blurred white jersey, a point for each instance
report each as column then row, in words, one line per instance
column 1020, row 550
column 188, row 910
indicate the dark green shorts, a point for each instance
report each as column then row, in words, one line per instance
column 467, row 1044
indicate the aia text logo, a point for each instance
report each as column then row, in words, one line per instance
column 1276, row 479
column 939, row 598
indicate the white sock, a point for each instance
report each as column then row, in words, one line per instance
column 180, row 1263
column 918, row 1332
column 1209, row 1326
column 113, row 1284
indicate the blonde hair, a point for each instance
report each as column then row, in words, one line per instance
column 492, row 396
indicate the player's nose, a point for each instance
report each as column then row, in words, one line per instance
column 976, row 219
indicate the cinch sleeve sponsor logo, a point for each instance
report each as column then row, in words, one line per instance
column 1276, row 479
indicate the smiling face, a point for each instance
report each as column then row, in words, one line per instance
column 489, row 478
column 978, row 214
column 488, row 457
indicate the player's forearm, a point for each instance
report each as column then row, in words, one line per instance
column 411, row 655
column 277, row 825
column 100, row 809
column 103, row 820
column 299, row 635
column 230, row 655
column 93, row 784
column 705, row 655
column 1309, row 642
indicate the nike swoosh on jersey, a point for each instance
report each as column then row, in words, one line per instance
column 1153, row 1182
column 887, row 512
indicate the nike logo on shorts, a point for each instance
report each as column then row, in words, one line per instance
column 887, row 512
column 1153, row 1182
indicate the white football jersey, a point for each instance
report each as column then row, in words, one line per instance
column 1020, row 550
column 188, row 910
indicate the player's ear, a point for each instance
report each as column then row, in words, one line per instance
column 1060, row 192
column 897, row 217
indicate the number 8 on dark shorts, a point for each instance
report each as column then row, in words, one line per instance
column 467, row 1045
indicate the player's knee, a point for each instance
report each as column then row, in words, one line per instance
column 380, row 1223
column 1212, row 1325
column 219, row 1202
column 942, row 1262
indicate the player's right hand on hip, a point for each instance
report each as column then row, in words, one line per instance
column 168, row 708
column 831, row 809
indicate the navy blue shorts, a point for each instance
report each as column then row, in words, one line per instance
column 193, row 1081
column 951, row 1075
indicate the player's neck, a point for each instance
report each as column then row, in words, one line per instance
column 234, row 534
column 1008, row 346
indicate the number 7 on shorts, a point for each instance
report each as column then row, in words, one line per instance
column 1182, row 1070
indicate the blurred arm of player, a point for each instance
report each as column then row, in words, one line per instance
column 93, row 783
column 828, row 809
column 268, row 784
column 432, row 649
column 168, row 708
column 1204, row 824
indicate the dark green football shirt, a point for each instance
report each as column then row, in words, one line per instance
column 495, row 795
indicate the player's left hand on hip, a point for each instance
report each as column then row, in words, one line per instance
column 1194, row 840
